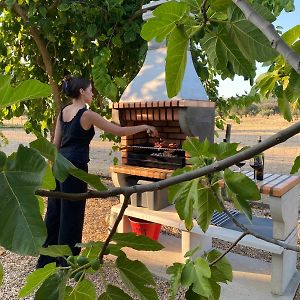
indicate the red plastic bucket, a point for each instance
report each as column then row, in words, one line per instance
column 143, row 227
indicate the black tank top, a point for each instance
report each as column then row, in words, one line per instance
column 75, row 142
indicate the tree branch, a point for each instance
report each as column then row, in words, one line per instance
column 273, row 140
column 114, row 228
column 259, row 236
column 269, row 31
column 230, row 248
column 41, row 44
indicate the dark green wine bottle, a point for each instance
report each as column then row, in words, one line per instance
column 260, row 163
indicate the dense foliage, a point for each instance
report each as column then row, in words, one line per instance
column 44, row 39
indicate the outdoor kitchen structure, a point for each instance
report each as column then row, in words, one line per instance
column 145, row 101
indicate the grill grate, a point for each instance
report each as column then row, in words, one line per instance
column 220, row 218
column 155, row 148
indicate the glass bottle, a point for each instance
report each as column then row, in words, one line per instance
column 259, row 161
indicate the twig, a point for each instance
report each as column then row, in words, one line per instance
column 203, row 11
column 259, row 236
column 114, row 228
column 230, row 248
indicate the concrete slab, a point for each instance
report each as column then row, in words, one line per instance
column 251, row 277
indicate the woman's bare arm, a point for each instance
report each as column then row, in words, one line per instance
column 57, row 134
column 91, row 118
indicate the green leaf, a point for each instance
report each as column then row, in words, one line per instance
column 176, row 61
column 133, row 241
column 220, row 5
column 284, row 104
column 222, row 51
column 91, row 30
column 64, row 7
column 250, row 40
column 120, row 82
column 266, row 82
column 184, row 195
column 3, row 159
column 291, row 35
column 43, row 11
column 102, row 80
column 202, row 267
column 1, row 273
column 190, row 253
column 164, row 21
column 91, row 179
column 195, row 5
column 10, row 3
column 223, row 150
column 41, row 204
column 264, row 12
column 296, row 165
column 221, row 271
column 56, row 250
column 175, row 271
column 187, row 275
column 205, row 206
column 243, row 205
column 193, row 146
column 197, row 274
column 23, row 230
column 46, row 148
column 137, row 277
column 36, row 278
column 92, row 249
column 48, row 180
column 83, row 290
column 241, row 185
column 114, row 293
column 28, row 89
column 53, row 288
column 62, row 167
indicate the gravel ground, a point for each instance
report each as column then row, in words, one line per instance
column 18, row 267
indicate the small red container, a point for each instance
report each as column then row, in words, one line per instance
column 143, row 227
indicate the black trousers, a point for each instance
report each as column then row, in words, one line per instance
column 64, row 218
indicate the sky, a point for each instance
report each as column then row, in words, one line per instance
column 228, row 88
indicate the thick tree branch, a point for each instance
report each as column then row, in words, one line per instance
column 273, row 140
column 269, row 31
column 41, row 44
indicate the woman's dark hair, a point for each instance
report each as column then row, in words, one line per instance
column 72, row 85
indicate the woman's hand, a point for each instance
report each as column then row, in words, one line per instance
column 151, row 130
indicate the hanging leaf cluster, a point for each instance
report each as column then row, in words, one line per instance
column 281, row 80
column 196, row 200
column 199, row 276
column 231, row 43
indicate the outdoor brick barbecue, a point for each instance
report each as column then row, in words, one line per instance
column 145, row 101
column 174, row 121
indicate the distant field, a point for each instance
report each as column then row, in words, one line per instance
column 279, row 159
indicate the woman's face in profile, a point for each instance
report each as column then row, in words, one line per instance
column 88, row 94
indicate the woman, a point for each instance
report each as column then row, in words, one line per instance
column 73, row 134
